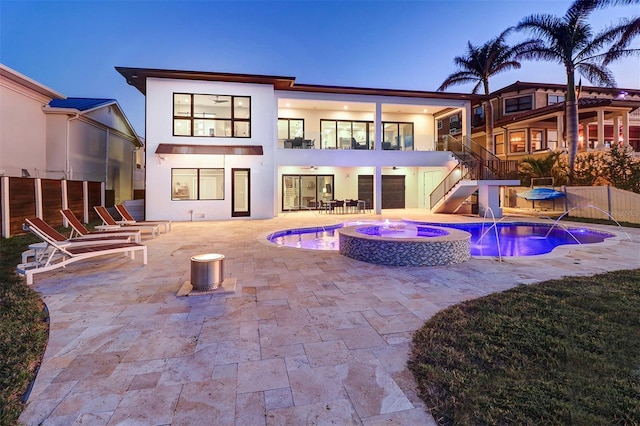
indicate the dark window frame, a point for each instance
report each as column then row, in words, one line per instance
column 288, row 120
column 370, row 128
column 197, row 198
column 233, row 119
column 518, row 104
column 398, row 123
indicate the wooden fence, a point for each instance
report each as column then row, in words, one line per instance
column 27, row 197
column 592, row 202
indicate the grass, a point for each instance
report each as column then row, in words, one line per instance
column 600, row 221
column 565, row 351
column 23, row 330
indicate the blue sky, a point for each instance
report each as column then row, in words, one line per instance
column 73, row 46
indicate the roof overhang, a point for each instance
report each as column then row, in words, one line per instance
column 170, row 148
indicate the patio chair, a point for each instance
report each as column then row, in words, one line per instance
column 78, row 229
column 112, row 224
column 126, row 216
column 64, row 252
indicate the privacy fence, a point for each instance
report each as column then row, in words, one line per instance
column 27, row 197
column 592, row 202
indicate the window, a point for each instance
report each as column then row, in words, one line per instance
column 439, row 124
column 523, row 103
column 197, row 184
column 552, row 139
column 397, row 135
column 211, row 115
column 346, row 134
column 499, row 141
column 517, row 141
column 554, row 99
column 478, row 116
column 455, row 125
column 537, row 140
column 289, row 128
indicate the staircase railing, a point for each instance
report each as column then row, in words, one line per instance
column 474, row 162
column 459, row 172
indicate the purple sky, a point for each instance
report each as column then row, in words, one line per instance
column 73, row 46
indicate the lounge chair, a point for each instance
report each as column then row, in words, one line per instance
column 62, row 253
column 112, row 224
column 126, row 216
column 78, row 229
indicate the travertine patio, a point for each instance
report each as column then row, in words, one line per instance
column 307, row 337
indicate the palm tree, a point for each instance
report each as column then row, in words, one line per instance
column 481, row 63
column 540, row 167
column 569, row 41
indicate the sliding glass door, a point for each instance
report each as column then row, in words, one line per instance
column 305, row 192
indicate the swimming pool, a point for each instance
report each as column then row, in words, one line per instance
column 516, row 238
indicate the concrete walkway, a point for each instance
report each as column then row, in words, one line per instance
column 306, row 337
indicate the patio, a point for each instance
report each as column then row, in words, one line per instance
column 307, row 337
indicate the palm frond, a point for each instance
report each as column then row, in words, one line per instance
column 596, row 74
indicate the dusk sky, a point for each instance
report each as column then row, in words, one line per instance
column 72, row 47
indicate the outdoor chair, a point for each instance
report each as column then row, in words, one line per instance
column 78, row 229
column 126, row 216
column 112, row 224
column 339, row 205
column 63, row 252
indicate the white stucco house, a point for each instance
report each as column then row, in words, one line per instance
column 222, row 146
column 46, row 135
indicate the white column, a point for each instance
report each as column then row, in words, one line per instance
column 377, row 122
column 585, row 135
column 489, row 197
column 616, row 130
column 625, row 128
column 600, row 114
column 560, row 127
column 377, row 189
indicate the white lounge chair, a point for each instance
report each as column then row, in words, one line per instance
column 62, row 253
column 112, row 224
column 78, row 229
column 126, row 217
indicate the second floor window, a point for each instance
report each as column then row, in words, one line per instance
column 397, row 136
column 346, row 134
column 211, row 115
column 522, row 103
column 554, row 99
column 289, row 128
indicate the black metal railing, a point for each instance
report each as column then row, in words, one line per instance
column 474, row 162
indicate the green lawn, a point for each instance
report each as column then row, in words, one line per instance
column 564, row 351
column 23, row 330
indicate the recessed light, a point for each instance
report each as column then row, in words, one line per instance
column 346, row 107
column 424, row 110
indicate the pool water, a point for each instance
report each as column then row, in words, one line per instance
column 516, row 239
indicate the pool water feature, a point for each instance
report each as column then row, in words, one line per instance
column 516, row 238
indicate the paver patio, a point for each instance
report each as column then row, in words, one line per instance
column 307, row 337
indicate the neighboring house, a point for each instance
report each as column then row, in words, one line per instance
column 46, row 135
column 529, row 118
column 221, row 145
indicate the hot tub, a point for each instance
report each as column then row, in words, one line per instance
column 401, row 244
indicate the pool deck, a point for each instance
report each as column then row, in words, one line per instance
column 294, row 337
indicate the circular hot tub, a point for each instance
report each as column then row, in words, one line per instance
column 400, row 244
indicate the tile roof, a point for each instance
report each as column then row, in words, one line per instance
column 81, row 104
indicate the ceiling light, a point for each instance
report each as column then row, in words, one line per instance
column 424, row 110
column 346, row 107
column 287, row 104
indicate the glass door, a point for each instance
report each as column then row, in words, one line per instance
column 240, row 192
column 304, row 192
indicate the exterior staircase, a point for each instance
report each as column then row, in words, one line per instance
column 475, row 164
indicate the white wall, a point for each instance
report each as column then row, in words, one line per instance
column 159, row 129
column 23, row 129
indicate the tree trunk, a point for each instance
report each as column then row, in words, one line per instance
column 571, row 111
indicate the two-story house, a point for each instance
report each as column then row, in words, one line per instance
column 529, row 118
column 224, row 145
